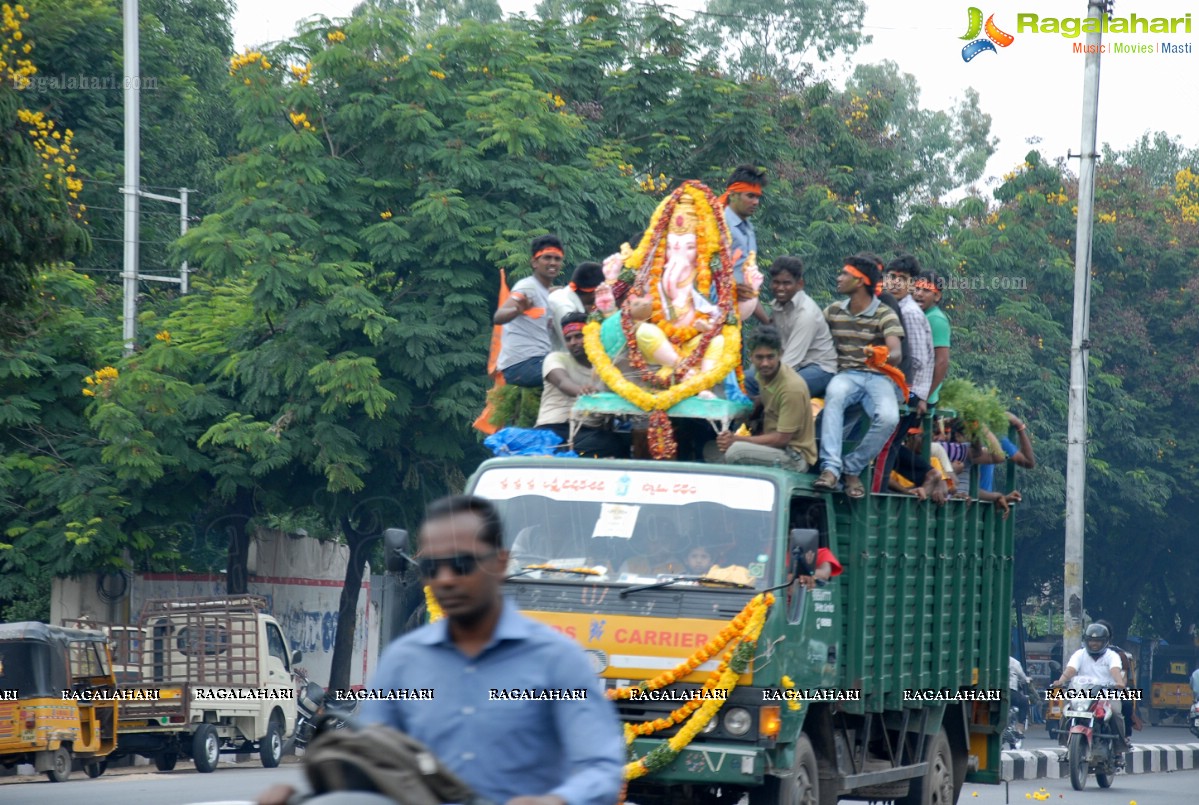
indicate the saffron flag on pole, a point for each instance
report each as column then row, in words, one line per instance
column 497, row 333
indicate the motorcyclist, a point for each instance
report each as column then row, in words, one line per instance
column 1099, row 662
column 1127, row 709
column 1017, row 682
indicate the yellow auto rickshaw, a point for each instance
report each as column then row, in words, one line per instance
column 57, row 699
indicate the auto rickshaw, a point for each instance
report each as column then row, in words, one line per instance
column 57, row 699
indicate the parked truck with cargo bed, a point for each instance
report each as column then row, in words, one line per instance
column 205, row 677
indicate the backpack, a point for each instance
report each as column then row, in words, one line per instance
column 385, row 761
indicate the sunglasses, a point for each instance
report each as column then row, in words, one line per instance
column 462, row 564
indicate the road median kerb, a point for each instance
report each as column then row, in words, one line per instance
column 1036, row 764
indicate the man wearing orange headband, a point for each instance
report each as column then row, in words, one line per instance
column 741, row 201
column 926, row 290
column 577, row 297
column 525, row 340
column 861, row 325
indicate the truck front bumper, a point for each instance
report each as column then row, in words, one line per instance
column 707, row 762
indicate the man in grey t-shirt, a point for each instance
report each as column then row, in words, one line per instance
column 526, row 318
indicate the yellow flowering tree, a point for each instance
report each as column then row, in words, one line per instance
column 39, row 187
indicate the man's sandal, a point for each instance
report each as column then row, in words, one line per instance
column 853, row 487
column 826, row 482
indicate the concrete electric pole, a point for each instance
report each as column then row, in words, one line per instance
column 1080, row 345
column 133, row 161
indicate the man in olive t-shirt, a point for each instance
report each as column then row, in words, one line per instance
column 788, row 437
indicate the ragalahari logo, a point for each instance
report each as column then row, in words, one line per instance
column 994, row 35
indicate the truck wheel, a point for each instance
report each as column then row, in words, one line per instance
column 936, row 787
column 206, row 748
column 61, row 769
column 165, row 761
column 1076, row 752
column 801, row 788
column 95, row 768
column 270, row 748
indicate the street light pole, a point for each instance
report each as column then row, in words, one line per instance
column 1080, row 345
column 132, row 174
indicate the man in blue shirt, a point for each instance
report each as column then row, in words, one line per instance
column 741, row 201
column 559, row 740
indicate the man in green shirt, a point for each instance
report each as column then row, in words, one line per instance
column 788, row 435
column 927, row 293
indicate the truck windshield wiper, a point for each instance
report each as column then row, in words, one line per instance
column 527, row 569
column 673, row 579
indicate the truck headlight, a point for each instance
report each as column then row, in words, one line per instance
column 737, row 721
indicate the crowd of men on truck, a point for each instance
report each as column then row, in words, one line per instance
column 883, row 345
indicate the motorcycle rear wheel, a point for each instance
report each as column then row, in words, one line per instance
column 1076, row 753
column 1104, row 779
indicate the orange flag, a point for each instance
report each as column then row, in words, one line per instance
column 497, row 334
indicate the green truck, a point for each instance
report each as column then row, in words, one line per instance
column 887, row 682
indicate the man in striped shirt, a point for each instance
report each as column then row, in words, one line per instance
column 862, row 328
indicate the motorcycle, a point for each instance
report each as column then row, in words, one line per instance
column 1012, row 739
column 1193, row 719
column 312, row 702
column 1094, row 745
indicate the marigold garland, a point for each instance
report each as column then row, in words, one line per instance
column 713, row 244
column 726, row 675
column 432, row 607
column 586, row 571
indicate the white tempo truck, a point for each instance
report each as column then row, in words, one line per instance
column 205, row 677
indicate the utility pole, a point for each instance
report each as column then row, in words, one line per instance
column 132, row 173
column 1080, row 345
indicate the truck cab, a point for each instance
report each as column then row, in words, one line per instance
column 884, row 683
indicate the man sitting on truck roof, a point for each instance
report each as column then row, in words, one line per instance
column 520, row 752
column 568, row 376
column 788, row 437
column 864, row 331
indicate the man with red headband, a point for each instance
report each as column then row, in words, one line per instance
column 868, row 336
column 926, row 290
column 741, row 201
column 568, row 376
column 577, row 297
column 525, row 317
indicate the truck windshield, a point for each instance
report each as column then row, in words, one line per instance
column 633, row 526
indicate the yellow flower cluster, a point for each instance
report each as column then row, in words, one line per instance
column 14, row 70
column 97, row 380
column 1107, row 217
column 992, row 219
column 440, row 76
column 431, row 606
column 163, row 336
column 302, row 74
column 555, row 100
column 300, row 120
column 1041, row 794
column 625, row 168
column 385, row 215
column 249, row 57
column 858, row 114
column 789, row 684
column 1059, row 198
column 58, row 156
column 1186, row 195
column 654, row 184
column 726, row 680
column 336, row 36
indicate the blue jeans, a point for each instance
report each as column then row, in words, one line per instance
column 879, row 397
column 527, row 373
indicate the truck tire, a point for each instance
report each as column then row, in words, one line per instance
column 165, row 761
column 937, row 786
column 206, row 748
column 270, row 748
column 95, row 768
column 801, row 788
column 60, row 772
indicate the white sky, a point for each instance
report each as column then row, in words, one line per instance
column 1032, row 88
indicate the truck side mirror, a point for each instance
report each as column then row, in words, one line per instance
column 395, row 543
column 803, row 541
column 297, row 657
